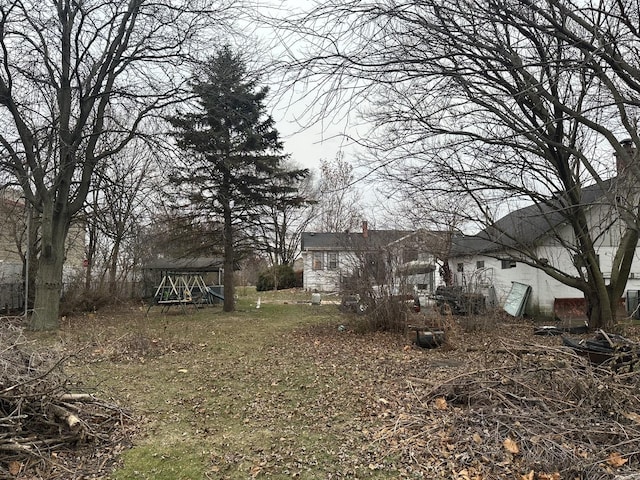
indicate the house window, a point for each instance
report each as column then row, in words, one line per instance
column 332, row 261
column 461, row 267
column 318, row 260
column 480, row 264
column 508, row 263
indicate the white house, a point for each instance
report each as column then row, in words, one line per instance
column 333, row 261
column 495, row 257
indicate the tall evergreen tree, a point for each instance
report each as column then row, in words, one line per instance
column 235, row 149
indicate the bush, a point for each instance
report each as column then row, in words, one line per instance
column 80, row 300
column 388, row 313
column 284, row 275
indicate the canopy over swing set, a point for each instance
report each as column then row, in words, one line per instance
column 183, row 283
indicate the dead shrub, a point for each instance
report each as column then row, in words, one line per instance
column 384, row 314
column 81, row 300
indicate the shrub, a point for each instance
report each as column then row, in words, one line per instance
column 283, row 274
column 388, row 313
column 81, row 300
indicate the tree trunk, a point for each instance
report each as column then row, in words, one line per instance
column 623, row 260
column 91, row 251
column 88, row 271
column 275, row 276
column 49, row 277
column 446, row 274
column 601, row 309
column 30, row 266
column 229, row 290
column 113, row 267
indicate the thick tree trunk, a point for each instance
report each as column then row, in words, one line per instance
column 30, row 266
column 54, row 230
column 601, row 309
column 620, row 269
column 229, row 290
column 603, row 300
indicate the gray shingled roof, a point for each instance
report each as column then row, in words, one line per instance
column 350, row 241
column 526, row 225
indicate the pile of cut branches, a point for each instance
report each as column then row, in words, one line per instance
column 47, row 431
column 528, row 412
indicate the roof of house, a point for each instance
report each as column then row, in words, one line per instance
column 526, row 225
column 350, row 241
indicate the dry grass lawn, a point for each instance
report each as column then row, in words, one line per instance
column 291, row 390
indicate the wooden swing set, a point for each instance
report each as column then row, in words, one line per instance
column 183, row 289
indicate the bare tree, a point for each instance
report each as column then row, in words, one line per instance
column 338, row 202
column 120, row 196
column 283, row 219
column 506, row 104
column 441, row 215
column 69, row 70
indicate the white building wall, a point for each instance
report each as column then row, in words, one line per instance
column 491, row 274
column 327, row 279
column 545, row 289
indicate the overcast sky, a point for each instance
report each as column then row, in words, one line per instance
column 306, row 145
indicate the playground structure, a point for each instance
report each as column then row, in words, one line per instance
column 184, row 289
column 183, row 284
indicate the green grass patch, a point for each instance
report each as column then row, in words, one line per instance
column 180, row 461
column 265, row 391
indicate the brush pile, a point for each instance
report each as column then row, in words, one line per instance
column 523, row 411
column 48, row 429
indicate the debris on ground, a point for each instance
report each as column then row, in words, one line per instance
column 523, row 409
column 560, row 329
column 607, row 349
column 427, row 336
column 49, row 429
column 499, row 403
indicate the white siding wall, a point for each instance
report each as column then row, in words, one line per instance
column 326, row 279
column 545, row 289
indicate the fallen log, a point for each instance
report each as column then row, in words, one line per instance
column 72, row 421
column 77, row 397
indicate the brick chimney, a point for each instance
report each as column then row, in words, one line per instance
column 622, row 161
column 365, row 229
